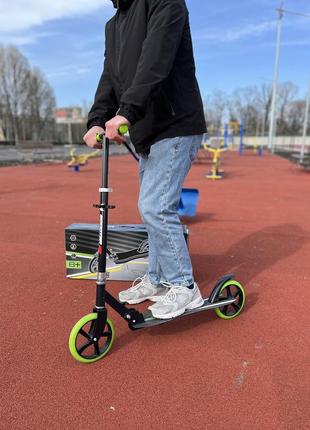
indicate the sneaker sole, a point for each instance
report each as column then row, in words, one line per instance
column 138, row 301
column 193, row 305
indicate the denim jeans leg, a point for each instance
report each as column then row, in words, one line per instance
column 153, row 265
column 164, row 172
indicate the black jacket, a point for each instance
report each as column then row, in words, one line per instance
column 149, row 73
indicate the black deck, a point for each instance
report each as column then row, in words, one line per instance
column 150, row 321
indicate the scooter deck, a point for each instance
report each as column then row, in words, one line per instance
column 150, row 321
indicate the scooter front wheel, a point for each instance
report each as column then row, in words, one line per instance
column 231, row 289
column 82, row 344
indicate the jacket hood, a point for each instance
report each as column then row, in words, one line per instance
column 122, row 4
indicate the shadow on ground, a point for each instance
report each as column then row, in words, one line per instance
column 251, row 256
column 254, row 253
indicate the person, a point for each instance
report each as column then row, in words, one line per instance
column 149, row 83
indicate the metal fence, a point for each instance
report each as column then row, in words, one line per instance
column 289, row 143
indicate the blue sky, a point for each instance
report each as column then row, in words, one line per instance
column 233, row 41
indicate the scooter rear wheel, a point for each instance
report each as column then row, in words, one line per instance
column 231, row 289
column 83, row 347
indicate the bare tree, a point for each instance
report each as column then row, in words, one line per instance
column 215, row 106
column 27, row 100
column 264, row 101
column 295, row 113
column 13, row 78
column 287, row 93
column 38, row 107
column 251, row 106
column 244, row 108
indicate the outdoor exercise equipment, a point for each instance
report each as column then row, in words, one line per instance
column 215, row 173
column 226, row 136
column 241, row 146
column 237, row 128
column 258, row 149
column 93, row 335
column 79, row 160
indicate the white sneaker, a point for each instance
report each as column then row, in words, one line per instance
column 142, row 289
column 177, row 301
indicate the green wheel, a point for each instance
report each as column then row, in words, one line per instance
column 231, row 289
column 82, row 345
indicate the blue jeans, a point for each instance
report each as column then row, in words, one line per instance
column 162, row 174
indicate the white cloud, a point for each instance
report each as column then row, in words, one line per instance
column 68, row 70
column 232, row 35
column 24, row 38
column 253, row 30
column 21, row 15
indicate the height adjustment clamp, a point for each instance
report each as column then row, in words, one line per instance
column 104, row 206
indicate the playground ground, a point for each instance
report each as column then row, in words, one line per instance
column 195, row 373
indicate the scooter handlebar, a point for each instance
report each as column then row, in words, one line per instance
column 123, row 129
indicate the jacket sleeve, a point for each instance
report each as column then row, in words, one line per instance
column 105, row 104
column 164, row 32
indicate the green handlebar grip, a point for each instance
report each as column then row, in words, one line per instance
column 99, row 137
column 123, row 129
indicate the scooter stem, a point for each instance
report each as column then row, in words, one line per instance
column 103, row 226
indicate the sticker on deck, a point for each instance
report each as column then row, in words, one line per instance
column 74, row 264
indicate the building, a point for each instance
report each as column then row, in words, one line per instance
column 70, row 124
column 69, row 114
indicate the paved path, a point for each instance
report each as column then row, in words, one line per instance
column 10, row 155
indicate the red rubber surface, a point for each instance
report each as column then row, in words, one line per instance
column 199, row 372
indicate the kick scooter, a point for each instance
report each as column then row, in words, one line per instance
column 93, row 335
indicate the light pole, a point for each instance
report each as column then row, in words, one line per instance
column 275, row 80
column 304, row 134
column 70, row 132
column 276, row 73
